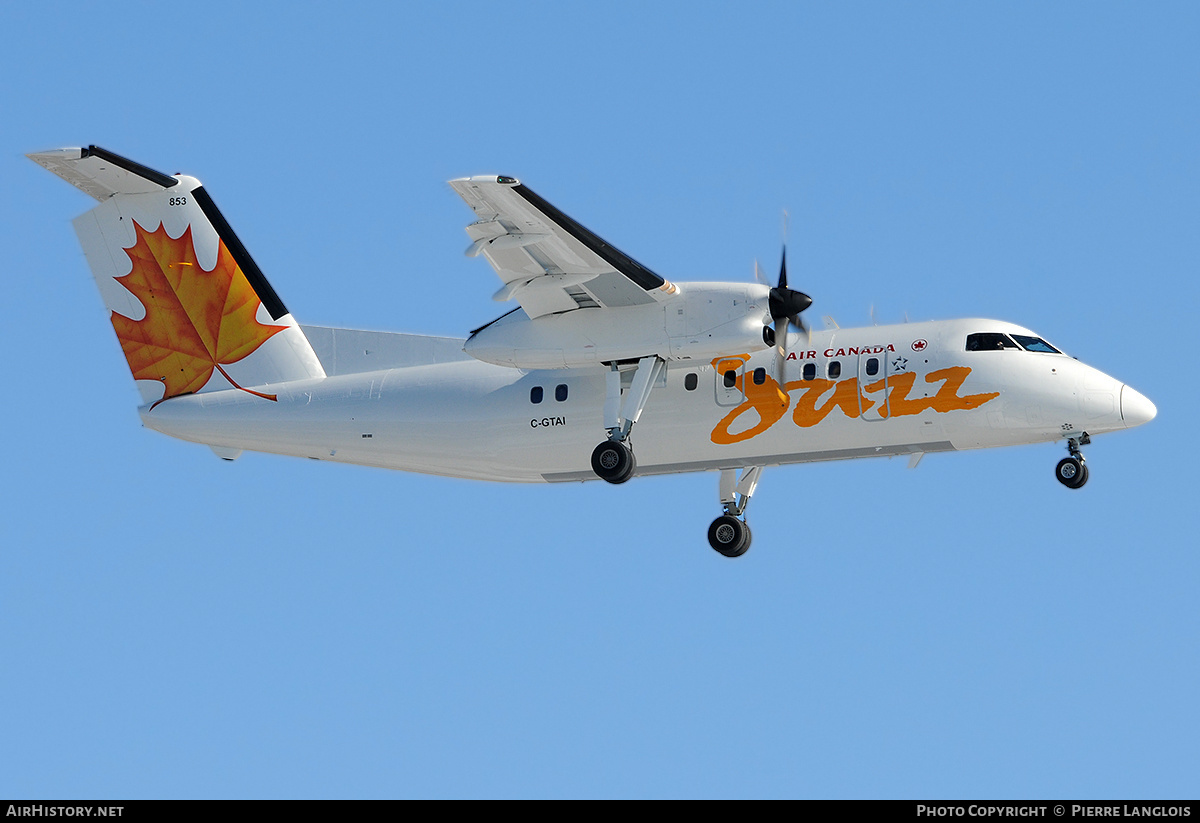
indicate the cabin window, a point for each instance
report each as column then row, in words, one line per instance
column 1035, row 344
column 873, row 366
column 810, row 371
column 690, row 381
column 730, row 379
column 989, row 341
column 535, row 394
column 760, row 376
column 835, row 369
column 560, row 392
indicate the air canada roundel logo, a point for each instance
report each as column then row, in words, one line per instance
column 920, row 345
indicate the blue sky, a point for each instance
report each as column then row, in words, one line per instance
column 175, row 626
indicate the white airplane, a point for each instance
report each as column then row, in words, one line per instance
column 701, row 376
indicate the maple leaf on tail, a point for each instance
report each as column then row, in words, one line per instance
column 196, row 320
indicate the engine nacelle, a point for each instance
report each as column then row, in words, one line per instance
column 699, row 322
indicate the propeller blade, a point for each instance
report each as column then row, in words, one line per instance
column 800, row 324
column 760, row 275
column 781, row 336
column 783, row 228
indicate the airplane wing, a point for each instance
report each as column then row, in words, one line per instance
column 549, row 263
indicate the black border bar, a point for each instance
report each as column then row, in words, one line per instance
column 1158, row 811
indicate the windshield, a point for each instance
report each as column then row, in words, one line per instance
column 1035, row 344
column 989, row 341
column 996, row 341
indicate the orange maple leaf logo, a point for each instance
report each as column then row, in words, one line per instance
column 196, row 319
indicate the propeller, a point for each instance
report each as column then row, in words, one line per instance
column 785, row 306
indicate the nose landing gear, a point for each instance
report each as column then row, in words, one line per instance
column 729, row 536
column 1072, row 471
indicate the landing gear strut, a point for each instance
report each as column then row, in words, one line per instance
column 729, row 534
column 1072, row 471
column 613, row 460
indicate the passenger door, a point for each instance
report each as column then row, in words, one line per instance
column 730, row 381
column 873, row 368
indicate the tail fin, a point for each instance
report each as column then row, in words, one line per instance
column 192, row 310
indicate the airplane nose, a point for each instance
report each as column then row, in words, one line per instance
column 1136, row 409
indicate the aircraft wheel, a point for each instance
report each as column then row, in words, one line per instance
column 729, row 536
column 1071, row 472
column 613, row 461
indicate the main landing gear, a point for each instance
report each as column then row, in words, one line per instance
column 729, row 534
column 613, row 460
column 1072, row 471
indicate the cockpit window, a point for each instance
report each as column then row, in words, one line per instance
column 989, row 341
column 1035, row 344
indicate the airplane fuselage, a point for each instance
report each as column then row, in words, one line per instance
column 923, row 393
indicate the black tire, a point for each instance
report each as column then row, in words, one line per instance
column 1071, row 472
column 613, row 461
column 729, row 536
column 629, row 470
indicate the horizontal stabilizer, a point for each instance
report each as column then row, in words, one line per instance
column 101, row 173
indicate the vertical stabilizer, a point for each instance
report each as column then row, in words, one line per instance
column 191, row 309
